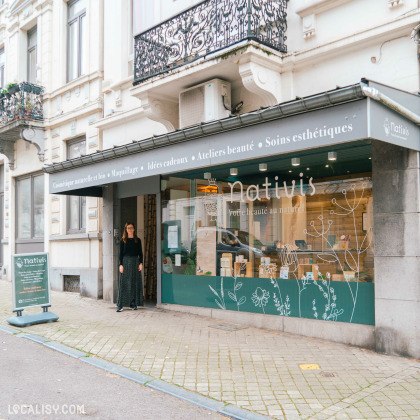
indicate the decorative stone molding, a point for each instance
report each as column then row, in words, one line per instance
column 311, row 9
column 7, row 148
column 308, row 23
column 92, row 213
column 319, row 6
column 35, row 136
column 164, row 112
column 395, row 3
column 261, row 80
column 118, row 99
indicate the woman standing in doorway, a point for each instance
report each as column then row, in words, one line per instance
column 130, row 285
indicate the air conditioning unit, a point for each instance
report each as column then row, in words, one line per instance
column 204, row 102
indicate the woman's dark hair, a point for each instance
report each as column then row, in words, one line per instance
column 125, row 234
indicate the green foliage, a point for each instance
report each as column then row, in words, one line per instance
column 191, row 267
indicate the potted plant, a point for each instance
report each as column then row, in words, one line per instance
column 36, row 89
column 31, row 88
column 12, row 88
column 29, row 108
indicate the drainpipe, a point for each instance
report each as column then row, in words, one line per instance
column 390, row 103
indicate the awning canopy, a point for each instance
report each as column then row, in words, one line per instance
column 367, row 110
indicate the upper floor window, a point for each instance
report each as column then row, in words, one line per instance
column 30, row 206
column 142, row 15
column 2, row 63
column 32, row 47
column 76, row 27
column 76, row 206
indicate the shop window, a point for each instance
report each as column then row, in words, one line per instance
column 76, row 205
column 32, row 55
column 303, row 245
column 76, row 34
column 30, row 207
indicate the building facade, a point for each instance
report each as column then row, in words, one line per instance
column 268, row 152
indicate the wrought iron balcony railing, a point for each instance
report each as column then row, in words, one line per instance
column 21, row 101
column 205, row 28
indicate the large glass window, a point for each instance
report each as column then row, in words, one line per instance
column 32, row 52
column 76, row 206
column 297, row 229
column 30, row 207
column 282, row 245
column 76, row 39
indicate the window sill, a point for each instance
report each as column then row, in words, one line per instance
column 76, row 237
column 30, row 241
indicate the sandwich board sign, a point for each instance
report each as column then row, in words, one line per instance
column 31, row 288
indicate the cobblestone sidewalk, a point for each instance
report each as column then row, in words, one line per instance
column 254, row 369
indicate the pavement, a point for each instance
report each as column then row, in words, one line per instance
column 41, row 383
column 244, row 373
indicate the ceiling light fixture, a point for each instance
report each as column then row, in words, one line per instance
column 332, row 155
column 262, row 167
column 295, row 161
column 234, row 171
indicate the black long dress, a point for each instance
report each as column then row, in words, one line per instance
column 130, row 285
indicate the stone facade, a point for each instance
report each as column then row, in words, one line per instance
column 104, row 107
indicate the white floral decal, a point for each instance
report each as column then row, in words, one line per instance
column 233, row 296
column 260, row 298
column 220, row 299
column 282, row 306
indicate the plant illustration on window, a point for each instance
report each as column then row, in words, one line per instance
column 220, row 299
column 236, row 286
column 260, row 298
column 289, row 259
column 351, row 265
column 282, row 306
column 331, row 313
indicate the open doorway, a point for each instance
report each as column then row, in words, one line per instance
column 141, row 210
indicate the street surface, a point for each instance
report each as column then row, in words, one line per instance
column 40, row 383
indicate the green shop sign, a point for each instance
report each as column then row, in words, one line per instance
column 30, row 280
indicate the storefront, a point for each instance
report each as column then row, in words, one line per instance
column 272, row 244
column 273, row 213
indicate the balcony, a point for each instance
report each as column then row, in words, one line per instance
column 21, row 101
column 208, row 27
column 21, row 117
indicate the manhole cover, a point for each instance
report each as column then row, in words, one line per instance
column 228, row 327
column 327, row 374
